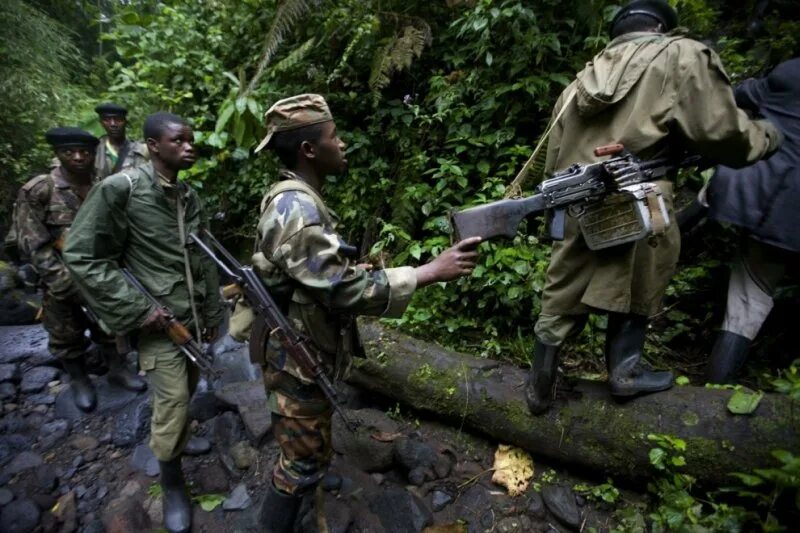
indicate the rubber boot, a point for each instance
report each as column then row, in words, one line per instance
column 542, row 378
column 279, row 511
column 727, row 357
column 628, row 375
column 175, row 500
column 83, row 393
column 119, row 373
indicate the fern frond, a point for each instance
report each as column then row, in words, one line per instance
column 287, row 14
column 294, row 57
column 398, row 54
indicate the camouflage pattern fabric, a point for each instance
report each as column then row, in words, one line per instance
column 104, row 162
column 305, row 451
column 301, row 255
column 294, row 112
column 66, row 323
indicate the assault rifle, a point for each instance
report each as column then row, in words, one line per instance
column 177, row 332
column 578, row 184
column 263, row 305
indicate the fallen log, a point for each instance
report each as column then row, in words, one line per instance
column 588, row 429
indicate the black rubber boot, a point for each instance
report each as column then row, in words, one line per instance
column 279, row 511
column 119, row 374
column 727, row 357
column 83, row 393
column 175, row 500
column 628, row 375
column 542, row 378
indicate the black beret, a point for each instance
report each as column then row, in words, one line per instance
column 112, row 109
column 658, row 9
column 60, row 137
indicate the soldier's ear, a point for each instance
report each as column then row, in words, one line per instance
column 152, row 145
column 308, row 150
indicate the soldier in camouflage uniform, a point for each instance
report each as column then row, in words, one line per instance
column 140, row 219
column 651, row 91
column 115, row 151
column 305, row 261
column 46, row 207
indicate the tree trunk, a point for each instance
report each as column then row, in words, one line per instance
column 588, row 429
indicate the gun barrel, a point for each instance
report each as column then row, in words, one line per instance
column 194, row 239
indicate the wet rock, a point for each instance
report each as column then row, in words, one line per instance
column 23, row 461
column 514, row 524
column 132, row 489
column 18, row 343
column 399, row 510
column 37, row 378
column 84, row 443
column 197, row 446
column 46, row 477
column 152, row 468
column 80, row 491
column 140, row 456
column 53, row 433
column 580, row 500
column 213, row 521
column 42, row 399
column 105, row 438
column 9, row 407
column 536, row 505
column 233, row 360
column 45, row 502
column 239, row 499
column 378, row 478
column 20, row 516
column 5, row 496
column 95, row 526
column 331, row 482
column 205, row 406
column 7, row 391
column 9, row 372
column 155, row 510
column 102, row 492
column 110, row 399
column 41, row 409
column 125, row 515
column 243, row 455
column 440, row 499
column 362, row 448
column 78, row 461
column 132, row 424
column 337, row 515
column 250, row 400
column 227, row 430
column 66, row 512
column 560, row 500
column 212, row 478
column 422, row 460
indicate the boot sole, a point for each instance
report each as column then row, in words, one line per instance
column 628, row 394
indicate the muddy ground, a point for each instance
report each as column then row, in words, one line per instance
column 62, row 470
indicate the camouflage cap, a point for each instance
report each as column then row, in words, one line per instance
column 294, row 112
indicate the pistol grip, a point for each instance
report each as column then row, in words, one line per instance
column 557, row 222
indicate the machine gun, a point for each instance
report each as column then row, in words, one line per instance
column 177, row 332
column 579, row 184
column 262, row 303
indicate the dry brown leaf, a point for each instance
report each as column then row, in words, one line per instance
column 513, row 469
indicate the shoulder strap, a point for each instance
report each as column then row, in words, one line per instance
column 121, row 156
column 295, row 185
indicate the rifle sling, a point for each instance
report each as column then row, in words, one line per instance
column 189, row 278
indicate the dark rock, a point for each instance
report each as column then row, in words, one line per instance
column 536, row 505
column 440, row 499
column 42, row 399
column 80, row 491
column 487, row 519
column 365, row 452
column 84, row 443
column 46, row 477
column 105, row 438
column 95, row 526
column 470, row 506
column 102, row 491
column 52, row 433
column 213, row 521
column 9, row 372
column 37, row 378
column 7, row 391
column 412, row 453
column 580, row 500
column 23, row 461
column 20, row 516
column 233, row 359
column 399, row 510
column 68, row 473
column 125, row 515
column 250, row 400
column 337, row 515
column 227, row 430
column 20, row 343
column 12, row 444
column 243, row 455
column 238, row 499
column 5, row 496
column 197, row 446
column 132, row 424
column 152, row 468
column 212, row 478
column 45, row 502
column 140, row 456
column 417, row 477
column 90, row 456
column 205, row 406
column 514, row 524
column 331, row 482
column 560, row 500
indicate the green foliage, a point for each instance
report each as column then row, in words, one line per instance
column 605, row 492
column 788, row 381
column 209, row 502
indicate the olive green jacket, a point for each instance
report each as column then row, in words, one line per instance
column 652, row 93
column 130, row 219
column 137, row 155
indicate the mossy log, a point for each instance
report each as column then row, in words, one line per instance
column 585, row 430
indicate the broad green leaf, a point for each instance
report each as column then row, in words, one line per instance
column 681, row 380
column 224, row 116
column 209, row 502
column 744, row 401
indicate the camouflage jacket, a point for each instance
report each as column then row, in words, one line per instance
column 131, row 219
column 45, row 209
column 301, row 254
column 104, row 163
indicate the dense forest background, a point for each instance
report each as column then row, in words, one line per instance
column 440, row 103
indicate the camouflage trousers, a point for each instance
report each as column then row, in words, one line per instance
column 173, row 380
column 66, row 325
column 301, row 423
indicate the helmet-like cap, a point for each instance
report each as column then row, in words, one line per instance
column 110, row 109
column 658, row 9
column 61, row 137
column 294, row 112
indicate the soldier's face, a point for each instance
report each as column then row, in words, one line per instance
column 78, row 160
column 114, row 125
column 175, row 148
column 329, row 151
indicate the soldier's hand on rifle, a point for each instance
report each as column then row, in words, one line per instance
column 157, row 320
column 456, row 261
column 210, row 334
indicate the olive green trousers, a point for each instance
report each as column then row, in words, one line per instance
column 173, row 379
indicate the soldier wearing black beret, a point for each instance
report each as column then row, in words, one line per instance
column 116, row 151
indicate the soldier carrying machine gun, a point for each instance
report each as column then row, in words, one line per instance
column 632, row 208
